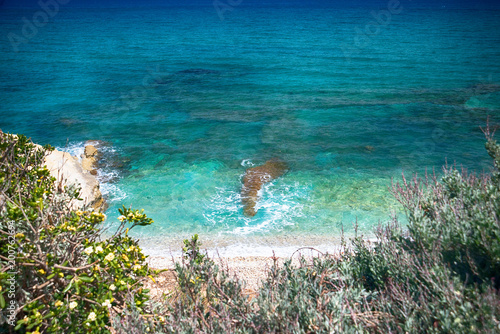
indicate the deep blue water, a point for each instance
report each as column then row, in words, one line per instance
column 186, row 97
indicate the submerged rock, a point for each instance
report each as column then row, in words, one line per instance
column 255, row 178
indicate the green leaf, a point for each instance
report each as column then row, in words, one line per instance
column 68, row 287
column 86, row 279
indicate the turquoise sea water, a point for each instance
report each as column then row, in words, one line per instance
column 185, row 101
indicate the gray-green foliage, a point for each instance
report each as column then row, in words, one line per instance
column 458, row 216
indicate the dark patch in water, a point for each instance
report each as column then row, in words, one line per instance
column 482, row 88
column 109, row 160
column 69, row 121
column 189, row 73
column 197, row 71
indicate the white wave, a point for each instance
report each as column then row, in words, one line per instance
column 247, row 163
column 278, row 207
column 76, row 149
column 105, row 175
column 112, row 192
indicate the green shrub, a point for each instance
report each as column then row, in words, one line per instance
column 58, row 273
column 458, row 216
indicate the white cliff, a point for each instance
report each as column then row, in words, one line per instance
column 68, row 170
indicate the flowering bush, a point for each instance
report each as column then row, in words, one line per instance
column 58, row 273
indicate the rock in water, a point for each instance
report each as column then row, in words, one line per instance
column 89, row 158
column 254, row 179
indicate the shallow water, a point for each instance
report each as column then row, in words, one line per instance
column 186, row 102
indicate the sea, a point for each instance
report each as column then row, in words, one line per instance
column 183, row 97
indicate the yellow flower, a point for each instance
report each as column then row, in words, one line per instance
column 35, row 332
column 59, row 303
column 98, row 249
column 72, row 305
column 71, row 228
column 125, row 257
column 112, row 287
column 78, row 212
column 109, row 257
column 37, row 314
column 88, row 250
column 136, row 267
column 131, row 249
column 122, row 218
column 92, row 316
column 19, row 235
column 41, row 271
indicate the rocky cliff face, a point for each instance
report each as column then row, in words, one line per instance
column 68, row 170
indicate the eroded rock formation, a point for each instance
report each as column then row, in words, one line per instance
column 89, row 159
column 68, row 170
column 255, row 178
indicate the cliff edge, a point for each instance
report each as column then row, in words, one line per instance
column 68, row 170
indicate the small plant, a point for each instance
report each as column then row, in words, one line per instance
column 192, row 252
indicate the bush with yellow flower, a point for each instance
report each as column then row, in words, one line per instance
column 58, row 270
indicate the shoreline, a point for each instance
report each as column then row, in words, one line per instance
column 250, row 263
column 280, row 245
column 251, row 270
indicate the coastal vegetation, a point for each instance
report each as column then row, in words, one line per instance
column 58, row 274
column 440, row 273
